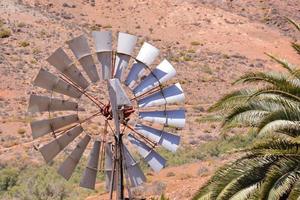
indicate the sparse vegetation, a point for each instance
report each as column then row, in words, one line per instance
column 162, row 197
column 95, row 27
column 21, row 131
column 206, row 69
column 107, row 26
column 41, row 182
column 21, row 24
column 5, row 32
column 36, row 51
column 170, row 174
column 24, row 44
column 195, row 43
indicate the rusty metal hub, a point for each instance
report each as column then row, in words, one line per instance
column 107, row 112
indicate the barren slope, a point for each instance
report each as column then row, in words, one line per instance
column 209, row 43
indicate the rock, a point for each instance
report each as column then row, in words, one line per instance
column 66, row 15
column 66, row 5
column 259, row 65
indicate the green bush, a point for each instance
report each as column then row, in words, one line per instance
column 8, row 179
column 42, row 183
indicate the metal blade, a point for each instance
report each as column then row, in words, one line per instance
column 134, row 171
column 126, row 44
column 42, row 127
column 108, row 168
column 162, row 73
column 121, row 63
column 103, row 43
column 155, row 161
column 89, row 67
column 67, row 167
column 145, row 57
column 105, row 58
column 82, row 52
column 167, row 140
column 174, row 118
column 169, row 95
column 50, row 82
column 108, row 157
column 61, row 61
column 147, row 54
column 79, row 46
column 136, row 72
column 88, row 179
column 52, row 149
column 108, row 181
column 42, row 103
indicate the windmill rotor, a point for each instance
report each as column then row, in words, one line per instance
column 110, row 102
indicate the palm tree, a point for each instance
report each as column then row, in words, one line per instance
column 270, row 169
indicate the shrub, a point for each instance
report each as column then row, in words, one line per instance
column 107, row 26
column 195, row 43
column 8, row 179
column 170, row 174
column 21, row 131
column 21, row 24
column 24, row 44
column 5, row 33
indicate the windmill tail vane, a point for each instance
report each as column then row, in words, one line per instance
column 138, row 109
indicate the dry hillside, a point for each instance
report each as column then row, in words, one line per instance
column 209, row 42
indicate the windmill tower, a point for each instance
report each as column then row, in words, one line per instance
column 138, row 109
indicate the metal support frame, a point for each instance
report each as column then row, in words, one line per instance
column 119, row 101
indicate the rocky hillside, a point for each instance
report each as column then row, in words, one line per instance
column 210, row 43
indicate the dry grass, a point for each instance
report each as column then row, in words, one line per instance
column 5, row 32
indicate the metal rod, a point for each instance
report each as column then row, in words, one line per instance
column 125, row 168
column 113, row 57
column 93, row 99
column 120, row 169
column 153, row 90
column 112, row 180
column 147, row 140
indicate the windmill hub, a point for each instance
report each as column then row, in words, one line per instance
column 106, row 111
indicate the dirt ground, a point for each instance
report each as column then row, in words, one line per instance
column 209, row 42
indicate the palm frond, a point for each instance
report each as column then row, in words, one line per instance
column 296, row 46
column 232, row 99
column 246, row 193
column 285, row 64
column 284, row 185
column 294, row 23
column 291, row 128
column 272, row 180
column 239, row 175
column 275, row 147
column 291, row 93
column 280, row 119
column 211, row 118
column 295, row 193
column 244, row 118
column 273, row 78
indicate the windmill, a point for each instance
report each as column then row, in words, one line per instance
column 139, row 110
